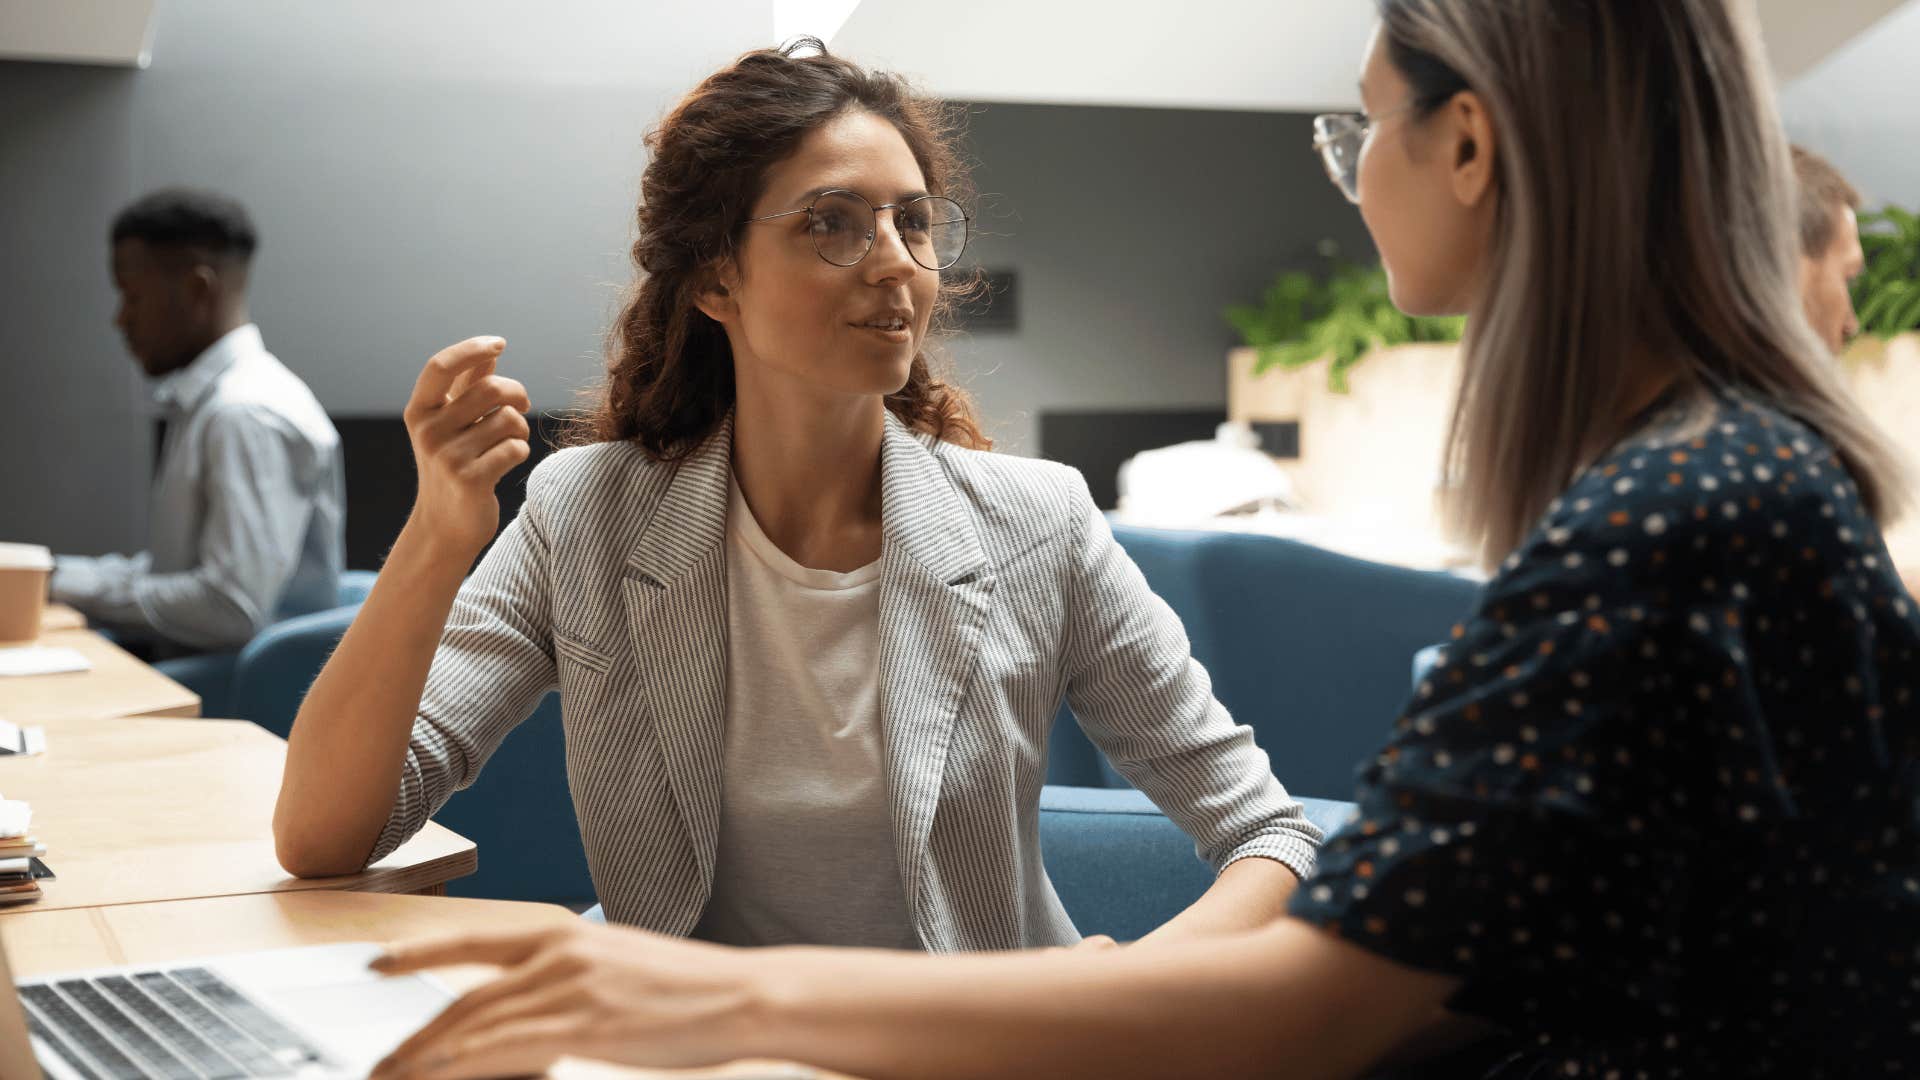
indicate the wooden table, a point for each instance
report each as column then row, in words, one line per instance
column 61, row 617
column 50, row 942
column 119, row 685
column 138, row 810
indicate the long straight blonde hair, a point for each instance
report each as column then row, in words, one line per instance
column 1646, row 221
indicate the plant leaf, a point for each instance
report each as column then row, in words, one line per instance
column 1904, row 316
column 1301, row 320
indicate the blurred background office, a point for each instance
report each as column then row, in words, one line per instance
column 1153, row 218
column 431, row 170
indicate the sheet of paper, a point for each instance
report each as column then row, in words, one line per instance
column 16, row 818
column 41, row 660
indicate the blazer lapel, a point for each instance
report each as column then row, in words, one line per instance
column 935, row 588
column 676, row 600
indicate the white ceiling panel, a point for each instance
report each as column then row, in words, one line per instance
column 1216, row 54
column 1283, row 55
column 77, row 31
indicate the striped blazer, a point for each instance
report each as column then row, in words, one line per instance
column 1002, row 591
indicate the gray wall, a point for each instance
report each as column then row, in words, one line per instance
column 419, row 171
column 1130, row 230
column 1858, row 108
column 71, row 451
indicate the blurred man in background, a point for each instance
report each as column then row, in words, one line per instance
column 1830, row 253
column 1831, row 258
column 248, row 509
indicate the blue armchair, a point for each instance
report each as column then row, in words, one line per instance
column 519, row 812
column 210, row 675
column 1120, row 866
column 1308, row 647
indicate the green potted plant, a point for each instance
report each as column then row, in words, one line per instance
column 1883, row 365
column 1367, row 448
column 1887, row 295
column 1341, row 317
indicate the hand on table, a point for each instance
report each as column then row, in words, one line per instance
column 607, row 993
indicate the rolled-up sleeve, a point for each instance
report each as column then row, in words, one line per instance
column 1149, row 706
column 494, row 664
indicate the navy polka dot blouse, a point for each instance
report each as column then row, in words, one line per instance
column 1658, row 805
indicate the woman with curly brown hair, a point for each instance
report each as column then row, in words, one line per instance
column 809, row 637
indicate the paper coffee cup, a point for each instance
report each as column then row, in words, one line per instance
column 23, row 590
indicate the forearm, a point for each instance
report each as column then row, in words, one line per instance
column 1246, row 1005
column 1250, row 893
column 349, row 741
column 196, row 608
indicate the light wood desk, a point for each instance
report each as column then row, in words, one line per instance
column 61, row 617
column 138, row 810
column 50, row 942
column 119, row 685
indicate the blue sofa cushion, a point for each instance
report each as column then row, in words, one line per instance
column 1308, row 647
column 1120, row 866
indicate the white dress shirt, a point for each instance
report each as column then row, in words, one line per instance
column 248, row 513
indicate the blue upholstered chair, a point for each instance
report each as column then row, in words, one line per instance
column 1120, row 866
column 1308, row 647
column 519, row 812
column 355, row 585
column 210, row 675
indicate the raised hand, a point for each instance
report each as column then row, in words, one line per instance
column 468, row 427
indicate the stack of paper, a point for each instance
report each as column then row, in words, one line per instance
column 20, row 865
column 15, row 739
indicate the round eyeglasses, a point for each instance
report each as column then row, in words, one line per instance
column 842, row 226
column 1340, row 137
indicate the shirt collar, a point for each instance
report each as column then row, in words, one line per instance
column 181, row 390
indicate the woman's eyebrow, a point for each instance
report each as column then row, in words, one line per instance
column 811, row 194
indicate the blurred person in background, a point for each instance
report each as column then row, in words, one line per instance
column 247, row 518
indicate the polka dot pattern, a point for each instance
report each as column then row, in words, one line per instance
column 1658, row 805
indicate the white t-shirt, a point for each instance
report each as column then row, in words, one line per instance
column 806, row 850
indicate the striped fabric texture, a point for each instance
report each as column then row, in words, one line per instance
column 1002, row 591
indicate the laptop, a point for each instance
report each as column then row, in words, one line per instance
column 307, row 1012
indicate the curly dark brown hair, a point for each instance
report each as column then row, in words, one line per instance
column 669, row 367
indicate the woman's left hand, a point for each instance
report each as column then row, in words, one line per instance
column 583, row 990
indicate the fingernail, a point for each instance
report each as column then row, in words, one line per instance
column 496, row 342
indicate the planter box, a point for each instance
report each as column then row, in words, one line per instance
column 1373, row 455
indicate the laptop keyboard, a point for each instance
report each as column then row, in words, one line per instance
column 182, row 1024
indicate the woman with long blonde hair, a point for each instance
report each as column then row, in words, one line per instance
column 1654, row 812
